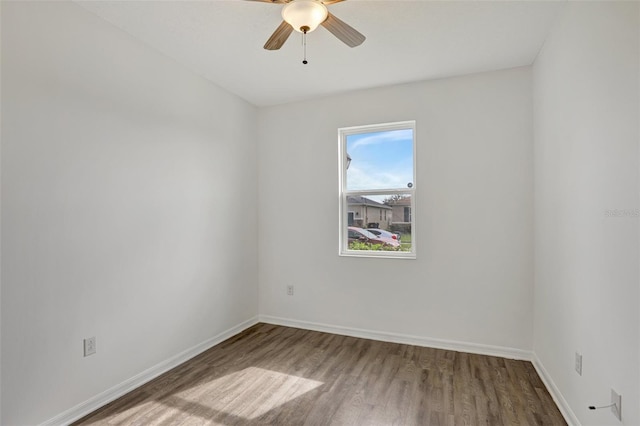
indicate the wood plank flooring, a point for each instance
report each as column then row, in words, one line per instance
column 272, row 375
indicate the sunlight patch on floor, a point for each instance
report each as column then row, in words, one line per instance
column 249, row 393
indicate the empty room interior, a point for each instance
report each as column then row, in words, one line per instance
column 186, row 205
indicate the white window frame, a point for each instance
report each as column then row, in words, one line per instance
column 343, row 239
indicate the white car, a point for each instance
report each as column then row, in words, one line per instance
column 385, row 234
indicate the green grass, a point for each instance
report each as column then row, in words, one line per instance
column 405, row 241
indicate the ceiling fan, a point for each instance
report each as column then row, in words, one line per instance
column 304, row 16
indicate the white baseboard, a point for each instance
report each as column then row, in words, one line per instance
column 121, row 389
column 568, row 414
column 476, row 348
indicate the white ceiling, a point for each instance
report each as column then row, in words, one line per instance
column 406, row 41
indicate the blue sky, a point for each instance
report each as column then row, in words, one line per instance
column 380, row 160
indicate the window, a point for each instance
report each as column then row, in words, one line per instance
column 350, row 218
column 378, row 184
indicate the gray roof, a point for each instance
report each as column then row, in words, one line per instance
column 355, row 200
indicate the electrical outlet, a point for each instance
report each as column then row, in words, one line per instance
column 289, row 290
column 89, row 346
column 616, row 399
column 579, row 363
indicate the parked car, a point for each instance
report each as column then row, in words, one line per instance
column 383, row 233
column 363, row 235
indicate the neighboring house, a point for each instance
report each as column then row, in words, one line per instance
column 362, row 212
column 401, row 210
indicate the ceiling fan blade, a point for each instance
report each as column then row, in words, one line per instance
column 325, row 2
column 279, row 36
column 346, row 33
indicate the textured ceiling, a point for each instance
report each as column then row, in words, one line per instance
column 406, row 41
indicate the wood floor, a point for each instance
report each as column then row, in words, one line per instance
column 271, row 375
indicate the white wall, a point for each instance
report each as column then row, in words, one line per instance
column 128, row 208
column 0, row 214
column 472, row 280
column 586, row 162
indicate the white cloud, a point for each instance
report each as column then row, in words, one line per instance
column 379, row 138
column 365, row 177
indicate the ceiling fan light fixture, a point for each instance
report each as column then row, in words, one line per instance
column 304, row 15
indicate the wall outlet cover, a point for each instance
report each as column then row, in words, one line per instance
column 579, row 363
column 617, row 408
column 89, row 346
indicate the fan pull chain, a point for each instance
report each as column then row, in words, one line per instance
column 304, row 45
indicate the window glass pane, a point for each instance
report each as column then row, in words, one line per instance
column 365, row 229
column 377, row 181
column 380, row 160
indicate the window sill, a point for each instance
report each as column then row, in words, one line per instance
column 377, row 254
